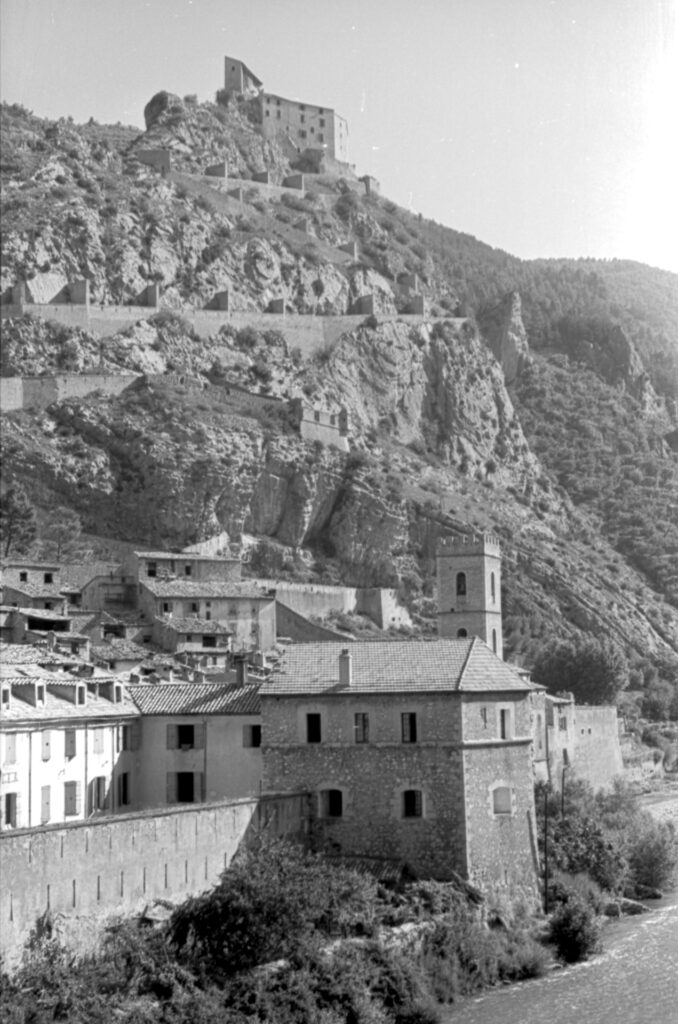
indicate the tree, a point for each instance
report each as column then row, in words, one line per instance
column 595, row 671
column 17, row 521
column 62, row 531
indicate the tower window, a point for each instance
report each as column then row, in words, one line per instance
column 362, row 727
column 313, row 728
column 413, row 804
column 461, row 633
column 461, row 584
column 408, row 725
column 494, row 640
column 331, row 803
column 493, row 588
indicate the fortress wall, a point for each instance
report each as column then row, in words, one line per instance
column 597, row 751
column 312, row 599
column 11, row 394
column 383, row 607
column 324, row 433
column 107, row 867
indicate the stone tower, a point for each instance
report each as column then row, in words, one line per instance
column 469, row 589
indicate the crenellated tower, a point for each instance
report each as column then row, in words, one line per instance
column 469, row 589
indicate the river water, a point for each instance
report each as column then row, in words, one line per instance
column 633, row 981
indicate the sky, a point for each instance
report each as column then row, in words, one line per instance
column 543, row 127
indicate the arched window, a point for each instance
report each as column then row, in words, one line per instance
column 501, row 800
column 331, row 803
column 461, row 584
column 493, row 588
column 540, row 737
column 413, row 803
column 494, row 640
column 461, row 633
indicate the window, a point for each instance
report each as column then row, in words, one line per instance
column 501, row 800
column 81, row 695
column 46, row 745
column 504, row 723
column 313, row 728
column 494, row 641
column 152, row 569
column 208, row 610
column 331, row 803
column 316, row 416
column 70, row 743
column 49, row 577
column 483, row 716
column 123, row 789
column 462, row 633
column 302, row 133
column 321, row 137
column 6, row 696
column 303, row 118
column 188, row 569
column 493, row 588
column 209, row 641
column 11, row 803
column 23, row 577
column 540, row 737
column 195, row 607
column 10, row 748
column 322, row 121
column 562, row 723
column 97, row 741
column 361, row 727
column 413, row 805
column 302, row 106
column 185, row 737
column 461, row 584
column 278, row 114
column 40, row 695
column 189, row 638
column 48, row 606
column 185, row 787
column 97, row 794
column 251, row 736
column 72, row 798
column 166, row 607
column 45, row 801
column 408, row 725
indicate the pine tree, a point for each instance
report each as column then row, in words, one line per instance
column 17, row 521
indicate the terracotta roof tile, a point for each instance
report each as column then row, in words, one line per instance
column 74, row 577
column 206, row 588
column 195, row 699
column 28, row 654
column 393, row 667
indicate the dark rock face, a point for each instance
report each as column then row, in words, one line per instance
column 158, row 104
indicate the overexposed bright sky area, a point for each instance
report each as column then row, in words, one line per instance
column 542, row 127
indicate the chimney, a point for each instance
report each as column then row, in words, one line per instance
column 241, row 670
column 345, row 668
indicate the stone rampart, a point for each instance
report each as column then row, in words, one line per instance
column 291, row 624
column 39, row 392
column 597, row 751
column 110, row 867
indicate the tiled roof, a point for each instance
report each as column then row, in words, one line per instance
column 74, row 577
column 57, row 706
column 205, row 588
column 117, row 648
column 34, row 589
column 195, row 699
column 464, row 666
column 29, row 654
column 26, row 563
column 195, row 626
column 184, row 556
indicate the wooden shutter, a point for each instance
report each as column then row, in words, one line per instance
column 46, row 744
column 44, row 804
column 71, row 803
column 70, row 743
column 199, row 737
column 171, row 787
column 135, row 735
column 78, row 797
column 10, row 748
column 172, row 738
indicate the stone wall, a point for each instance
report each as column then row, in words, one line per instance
column 291, row 624
column 39, row 392
column 11, row 394
column 108, row 867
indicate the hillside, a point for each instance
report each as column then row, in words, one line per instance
column 549, row 417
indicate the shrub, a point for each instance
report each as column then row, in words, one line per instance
column 575, row 930
column 653, row 855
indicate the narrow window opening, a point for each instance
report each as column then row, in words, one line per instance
column 412, row 803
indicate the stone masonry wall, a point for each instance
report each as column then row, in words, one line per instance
column 597, row 751
column 98, row 869
column 39, row 392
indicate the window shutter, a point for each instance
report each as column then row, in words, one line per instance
column 46, row 744
column 199, row 737
column 10, row 748
column 171, row 787
column 70, row 742
column 78, row 798
column 135, row 736
column 172, row 737
column 17, row 810
column 44, row 805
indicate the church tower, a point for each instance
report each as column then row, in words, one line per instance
column 469, row 589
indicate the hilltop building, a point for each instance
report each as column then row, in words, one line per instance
column 306, row 125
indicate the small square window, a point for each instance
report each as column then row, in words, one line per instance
column 412, row 803
column 251, row 736
column 23, row 577
column 49, row 577
column 331, row 803
column 313, row 728
column 408, row 722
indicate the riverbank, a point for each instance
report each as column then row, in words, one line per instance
column 662, row 803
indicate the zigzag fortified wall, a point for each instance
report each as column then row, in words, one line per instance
column 87, row 873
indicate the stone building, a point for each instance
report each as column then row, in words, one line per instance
column 469, row 590
column 305, row 125
column 419, row 752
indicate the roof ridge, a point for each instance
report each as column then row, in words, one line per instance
column 466, row 661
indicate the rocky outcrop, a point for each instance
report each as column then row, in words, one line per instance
column 506, row 336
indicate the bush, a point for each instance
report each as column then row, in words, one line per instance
column 575, row 930
column 653, row 855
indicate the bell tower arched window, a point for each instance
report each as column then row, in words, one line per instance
column 461, row 584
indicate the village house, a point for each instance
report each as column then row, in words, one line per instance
column 203, row 641
column 200, row 742
column 157, row 565
column 67, row 745
column 118, row 655
column 245, row 609
column 97, row 586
